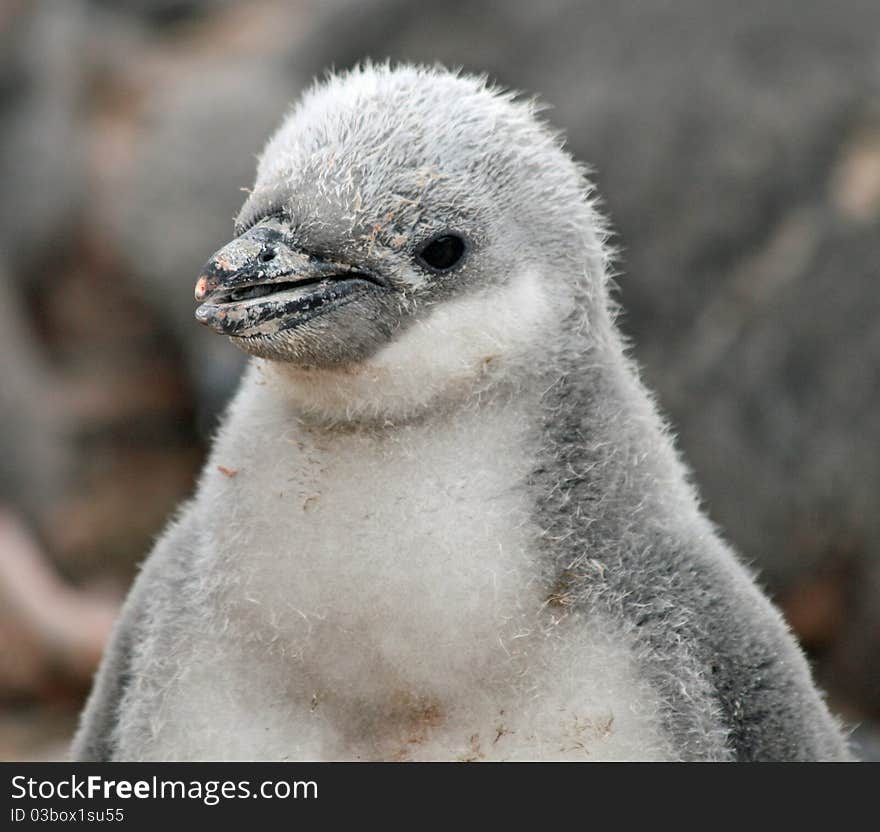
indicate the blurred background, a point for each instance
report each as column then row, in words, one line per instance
column 737, row 148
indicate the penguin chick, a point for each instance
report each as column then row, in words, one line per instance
column 442, row 519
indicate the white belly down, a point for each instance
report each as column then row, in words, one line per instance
column 378, row 595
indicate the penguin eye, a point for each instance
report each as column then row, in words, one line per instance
column 442, row 253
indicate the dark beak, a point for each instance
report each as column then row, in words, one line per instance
column 259, row 284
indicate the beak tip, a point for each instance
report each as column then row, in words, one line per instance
column 201, row 288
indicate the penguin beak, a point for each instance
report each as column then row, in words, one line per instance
column 259, row 285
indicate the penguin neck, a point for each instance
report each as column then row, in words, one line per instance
column 473, row 349
column 373, row 400
column 606, row 449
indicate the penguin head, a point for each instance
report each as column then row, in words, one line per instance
column 400, row 199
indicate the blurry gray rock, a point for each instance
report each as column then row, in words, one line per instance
column 158, row 12
column 32, row 453
column 41, row 168
column 41, row 137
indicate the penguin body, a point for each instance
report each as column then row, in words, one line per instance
column 442, row 518
column 420, row 585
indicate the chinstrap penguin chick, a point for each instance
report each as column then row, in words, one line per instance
column 442, row 519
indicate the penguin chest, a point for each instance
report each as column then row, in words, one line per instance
column 383, row 596
column 400, row 560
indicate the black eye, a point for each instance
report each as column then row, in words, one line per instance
column 442, row 253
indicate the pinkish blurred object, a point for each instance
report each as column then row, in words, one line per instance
column 51, row 634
